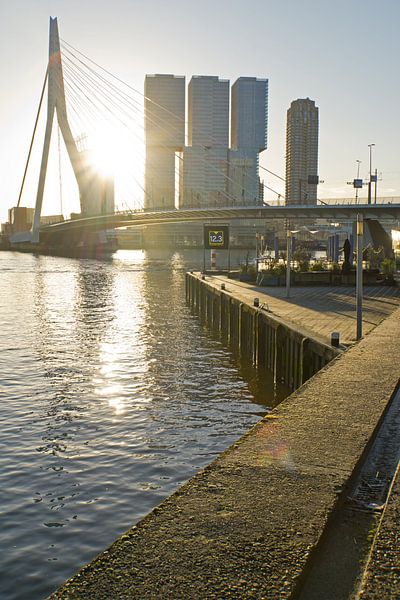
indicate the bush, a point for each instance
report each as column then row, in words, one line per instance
column 302, row 258
column 278, row 269
column 318, row 266
column 334, row 266
column 388, row 266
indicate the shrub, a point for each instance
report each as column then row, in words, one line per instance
column 388, row 266
column 334, row 266
column 318, row 266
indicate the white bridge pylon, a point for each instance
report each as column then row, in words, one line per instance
column 96, row 195
column 55, row 103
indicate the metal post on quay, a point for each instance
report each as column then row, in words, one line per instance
column 359, row 275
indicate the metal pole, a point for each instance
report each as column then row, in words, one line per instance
column 359, row 275
column 370, row 172
column 376, row 184
column 358, row 176
column 288, row 253
column 256, row 254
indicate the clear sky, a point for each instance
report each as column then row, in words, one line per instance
column 343, row 54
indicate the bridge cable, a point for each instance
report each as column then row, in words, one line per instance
column 32, row 139
column 257, row 180
column 163, row 108
column 209, row 164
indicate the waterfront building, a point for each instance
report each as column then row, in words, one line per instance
column 243, row 179
column 249, row 126
column 164, row 123
column 203, row 177
column 302, row 152
column 208, row 111
column 249, row 120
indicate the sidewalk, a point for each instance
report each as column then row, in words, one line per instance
column 245, row 526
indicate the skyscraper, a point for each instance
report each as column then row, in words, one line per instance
column 208, row 111
column 205, row 160
column 302, row 152
column 249, row 121
column 164, row 121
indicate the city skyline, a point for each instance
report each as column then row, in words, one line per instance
column 191, row 160
column 345, row 52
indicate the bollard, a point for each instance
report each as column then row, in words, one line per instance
column 213, row 260
column 335, row 336
column 222, row 286
column 257, row 302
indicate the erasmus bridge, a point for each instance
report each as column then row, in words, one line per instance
column 97, row 193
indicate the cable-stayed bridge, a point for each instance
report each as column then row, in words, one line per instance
column 131, row 218
column 87, row 96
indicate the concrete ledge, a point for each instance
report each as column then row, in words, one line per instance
column 383, row 573
column 244, row 527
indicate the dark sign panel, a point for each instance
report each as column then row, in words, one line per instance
column 358, row 183
column 216, row 236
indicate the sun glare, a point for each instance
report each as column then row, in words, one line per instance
column 114, row 152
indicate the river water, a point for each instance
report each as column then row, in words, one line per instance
column 112, row 395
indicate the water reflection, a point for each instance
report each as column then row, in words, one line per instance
column 118, row 396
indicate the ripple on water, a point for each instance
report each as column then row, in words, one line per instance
column 112, row 395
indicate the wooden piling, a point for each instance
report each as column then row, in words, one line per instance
column 257, row 336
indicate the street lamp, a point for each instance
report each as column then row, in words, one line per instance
column 370, row 172
column 358, row 178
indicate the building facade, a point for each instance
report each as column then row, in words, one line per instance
column 249, row 126
column 203, row 178
column 249, row 120
column 164, row 123
column 302, row 152
column 209, row 173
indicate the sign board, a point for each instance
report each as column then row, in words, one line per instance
column 216, row 236
column 358, row 183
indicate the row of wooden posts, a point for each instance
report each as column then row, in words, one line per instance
column 257, row 335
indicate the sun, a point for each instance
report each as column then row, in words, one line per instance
column 114, row 151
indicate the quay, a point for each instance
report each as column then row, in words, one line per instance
column 296, row 508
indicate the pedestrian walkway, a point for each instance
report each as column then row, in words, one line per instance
column 319, row 310
column 248, row 524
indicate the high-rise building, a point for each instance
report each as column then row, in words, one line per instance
column 208, row 111
column 164, row 122
column 203, row 180
column 302, row 152
column 249, row 120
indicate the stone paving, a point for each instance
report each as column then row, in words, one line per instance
column 246, row 526
column 319, row 310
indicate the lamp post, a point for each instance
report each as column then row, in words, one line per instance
column 370, row 172
column 358, row 177
column 359, row 275
column 288, row 259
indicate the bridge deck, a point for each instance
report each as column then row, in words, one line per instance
column 319, row 310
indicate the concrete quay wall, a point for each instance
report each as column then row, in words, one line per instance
column 249, row 524
column 290, row 353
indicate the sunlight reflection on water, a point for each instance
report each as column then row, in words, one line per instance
column 112, row 396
